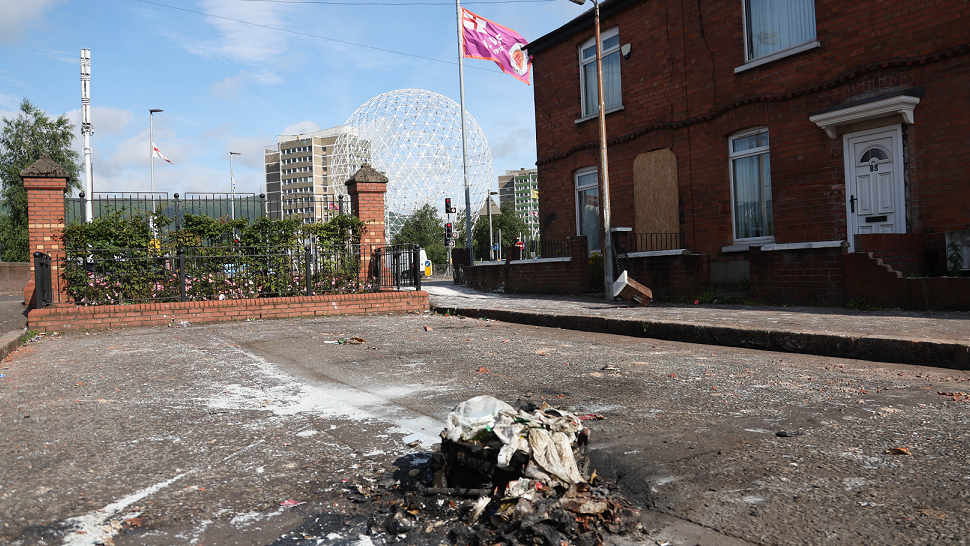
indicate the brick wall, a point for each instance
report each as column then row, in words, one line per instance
column 905, row 252
column 538, row 277
column 680, row 91
column 71, row 317
column 805, row 276
column 868, row 281
column 671, row 277
column 45, row 223
column 14, row 277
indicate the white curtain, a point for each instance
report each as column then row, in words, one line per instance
column 589, row 216
column 752, row 197
column 774, row 25
column 611, row 83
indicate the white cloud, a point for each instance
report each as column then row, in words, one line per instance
column 8, row 101
column 238, row 41
column 105, row 119
column 19, row 15
column 228, row 88
column 305, row 126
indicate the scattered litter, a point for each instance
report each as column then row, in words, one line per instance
column 788, row 433
column 347, row 341
column 591, row 417
column 899, row 451
column 290, row 503
column 955, row 396
column 427, row 328
column 610, row 367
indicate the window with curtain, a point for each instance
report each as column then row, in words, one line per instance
column 751, row 185
column 774, row 25
column 588, row 206
column 611, row 73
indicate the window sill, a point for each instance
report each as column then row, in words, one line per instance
column 742, row 246
column 788, row 52
column 597, row 114
column 805, row 246
column 658, row 253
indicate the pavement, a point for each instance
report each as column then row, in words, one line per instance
column 13, row 320
column 939, row 339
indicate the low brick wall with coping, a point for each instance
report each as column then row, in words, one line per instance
column 567, row 275
column 14, row 277
column 61, row 318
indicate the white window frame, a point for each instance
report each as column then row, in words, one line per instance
column 605, row 35
column 793, row 49
column 576, row 189
column 743, row 244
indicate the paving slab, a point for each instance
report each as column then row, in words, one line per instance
column 939, row 339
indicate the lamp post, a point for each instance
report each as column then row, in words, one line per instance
column 491, row 239
column 232, row 187
column 604, row 165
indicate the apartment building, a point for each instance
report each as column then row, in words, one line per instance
column 521, row 188
column 297, row 183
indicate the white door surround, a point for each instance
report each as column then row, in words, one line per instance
column 875, row 200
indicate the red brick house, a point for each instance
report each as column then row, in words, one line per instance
column 763, row 137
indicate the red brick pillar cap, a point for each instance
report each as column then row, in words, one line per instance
column 45, row 167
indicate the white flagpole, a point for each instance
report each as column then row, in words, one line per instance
column 464, row 142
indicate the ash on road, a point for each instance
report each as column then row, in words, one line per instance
column 196, row 435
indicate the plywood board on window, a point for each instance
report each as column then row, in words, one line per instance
column 655, row 192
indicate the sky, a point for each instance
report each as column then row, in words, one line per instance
column 230, row 86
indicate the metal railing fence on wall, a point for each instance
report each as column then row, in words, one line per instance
column 304, row 209
column 533, row 249
column 130, row 276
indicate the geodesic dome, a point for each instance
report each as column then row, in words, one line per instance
column 413, row 136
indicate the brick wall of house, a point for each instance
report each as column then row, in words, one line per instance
column 672, row 277
column 680, row 91
column 806, row 276
column 870, row 282
column 72, row 317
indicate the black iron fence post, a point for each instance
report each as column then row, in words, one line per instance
column 415, row 256
column 178, row 217
column 181, row 255
column 306, row 269
column 262, row 205
column 376, row 265
column 42, row 280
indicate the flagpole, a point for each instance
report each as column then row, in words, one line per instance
column 464, row 141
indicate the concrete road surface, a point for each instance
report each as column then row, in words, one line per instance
column 197, row 434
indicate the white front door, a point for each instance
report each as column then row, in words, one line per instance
column 875, row 199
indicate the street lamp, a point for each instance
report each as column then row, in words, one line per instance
column 491, row 239
column 232, row 186
column 604, row 166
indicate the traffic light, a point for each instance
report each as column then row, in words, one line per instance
column 449, row 232
column 448, row 208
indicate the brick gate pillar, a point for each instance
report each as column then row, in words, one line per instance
column 366, row 189
column 45, row 183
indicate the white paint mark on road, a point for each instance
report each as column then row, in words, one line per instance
column 90, row 528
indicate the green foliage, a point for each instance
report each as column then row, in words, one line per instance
column 426, row 229
column 339, row 230
column 954, row 258
column 508, row 222
column 113, row 260
column 28, row 335
column 114, row 229
column 24, row 140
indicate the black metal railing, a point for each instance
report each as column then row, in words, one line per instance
column 129, row 276
column 396, row 266
column 531, row 250
column 305, row 208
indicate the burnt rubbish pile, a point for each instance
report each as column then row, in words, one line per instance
column 524, row 474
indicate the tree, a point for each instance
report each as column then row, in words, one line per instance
column 424, row 228
column 24, row 140
column 508, row 222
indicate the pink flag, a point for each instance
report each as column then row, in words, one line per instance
column 159, row 154
column 483, row 39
